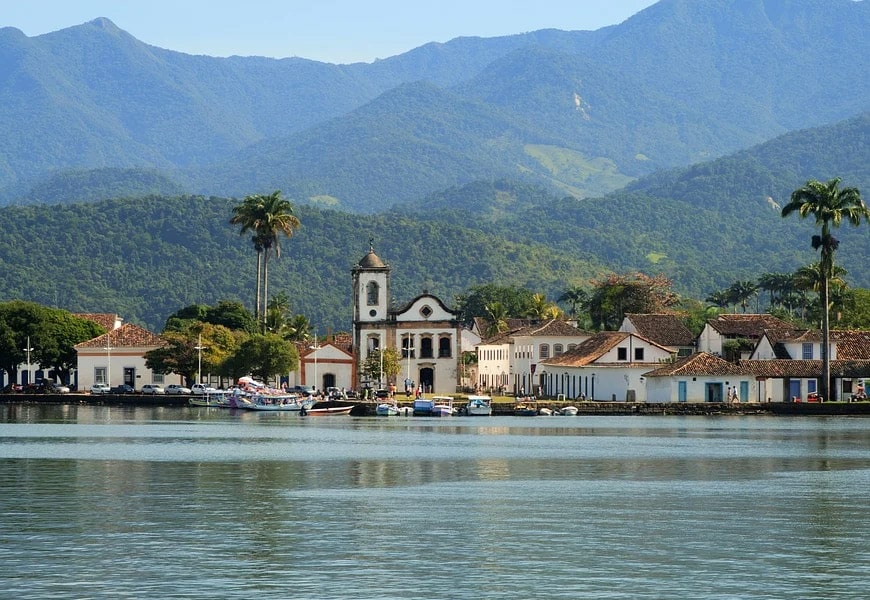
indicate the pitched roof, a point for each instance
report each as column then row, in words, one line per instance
column 664, row 329
column 804, row 369
column 590, row 350
column 125, row 336
column 746, row 325
column 538, row 329
column 852, row 344
column 700, row 363
column 105, row 320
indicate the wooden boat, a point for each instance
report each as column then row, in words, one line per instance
column 479, row 406
column 526, row 407
column 327, row 408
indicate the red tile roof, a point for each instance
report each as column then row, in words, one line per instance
column 125, row 336
column 748, row 326
column 700, row 363
column 804, row 369
column 664, row 329
column 594, row 348
column 105, row 320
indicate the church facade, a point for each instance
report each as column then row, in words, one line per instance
column 425, row 332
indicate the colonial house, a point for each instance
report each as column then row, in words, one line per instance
column 787, row 363
column 700, row 377
column 664, row 329
column 118, row 356
column 425, row 331
column 608, row 366
column 724, row 328
column 509, row 360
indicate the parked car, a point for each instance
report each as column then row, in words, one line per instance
column 201, row 388
column 101, row 388
column 304, row 390
column 56, row 388
column 153, row 388
column 174, row 388
column 124, row 388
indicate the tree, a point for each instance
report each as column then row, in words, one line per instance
column 266, row 217
column 542, row 308
column 496, row 319
column 381, row 362
column 516, row 301
column 830, row 206
column 616, row 295
column 265, row 356
column 741, row 291
column 299, row 329
column 576, row 297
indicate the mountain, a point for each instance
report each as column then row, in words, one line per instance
column 581, row 113
column 705, row 226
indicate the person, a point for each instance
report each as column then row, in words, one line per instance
column 730, row 395
column 735, row 397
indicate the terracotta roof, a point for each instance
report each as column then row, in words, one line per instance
column 805, row 368
column 664, row 329
column 851, row 345
column 746, row 325
column 125, row 336
column 589, row 350
column 700, row 363
column 105, row 320
column 538, row 329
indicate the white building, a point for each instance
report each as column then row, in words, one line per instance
column 609, row 366
column 118, row 356
column 425, row 332
column 700, row 377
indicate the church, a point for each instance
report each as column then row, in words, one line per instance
column 425, row 331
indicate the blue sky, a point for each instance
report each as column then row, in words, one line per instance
column 337, row 31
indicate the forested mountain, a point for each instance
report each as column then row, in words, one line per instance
column 705, row 226
column 579, row 112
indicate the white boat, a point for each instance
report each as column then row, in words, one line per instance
column 442, row 406
column 387, row 409
column 479, row 406
column 217, row 398
column 287, row 402
column 569, row 411
column 327, row 408
column 545, row 412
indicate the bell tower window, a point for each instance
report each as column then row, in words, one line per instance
column 372, row 292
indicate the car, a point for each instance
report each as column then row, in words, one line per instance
column 124, row 388
column 56, row 388
column 303, row 390
column 153, row 388
column 201, row 388
column 101, row 388
column 174, row 388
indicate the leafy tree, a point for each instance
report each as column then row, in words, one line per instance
column 576, row 297
column 373, row 367
column 830, row 206
column 233, row 315
column 616, row 295
column 855, row 312
column 265, row 356
column 277, row 312
column 516, row 301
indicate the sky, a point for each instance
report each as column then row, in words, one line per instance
column 335, row 31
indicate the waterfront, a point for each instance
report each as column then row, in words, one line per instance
column 177, row 502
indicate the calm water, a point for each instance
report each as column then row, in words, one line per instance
column 103, row 502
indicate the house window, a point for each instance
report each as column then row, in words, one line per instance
column 544, row 351
column 622, row 354
column 100, row 375
column 157, row 377
column 807, row 351
column 557, row 349
column 638, row 354
column 444, row 348
column 372, row 290
column 426, row 347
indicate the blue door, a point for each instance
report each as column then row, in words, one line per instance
column 744, row 391
column 681, row 391
column 794, row 389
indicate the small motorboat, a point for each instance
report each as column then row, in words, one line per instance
column 526, row 407
column 326, row 408
column 387, row 409
column 479, row 406
column 442, row 406
column 568, row 411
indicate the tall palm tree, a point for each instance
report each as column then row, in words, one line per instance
column 497, row 316
column 249, row 216
column 741, row 291
column 830, row 206
column 576, row 297
column 278, row 218
column 266, row 217
column 777, row 285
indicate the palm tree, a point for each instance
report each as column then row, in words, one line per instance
column 829, row 205
column 778, row 285
column 278, row 218
column 720, row 299
column 576, row 297
column 541, row 308
column 266, row 217
column 741, row 291
column 497, row 318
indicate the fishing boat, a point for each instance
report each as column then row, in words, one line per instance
column 479, row 406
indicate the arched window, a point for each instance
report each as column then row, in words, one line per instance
column 426, row 347
column 372, row 292
column 557, row 349
column 444, row 348
column 544, row 351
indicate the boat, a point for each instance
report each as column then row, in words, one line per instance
column 287, row 402
column 545, row 412
column 442, row 406
column 479, row 406
column 387, row 409
column 424, row 406
column 217, row 398
column 526, row 407
column 327, row 408
column 569, row 411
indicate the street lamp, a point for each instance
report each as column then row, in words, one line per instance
column 28, row 350
column 199, row 348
